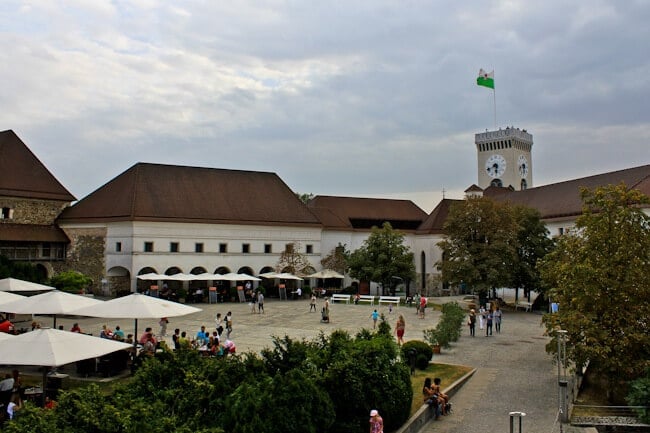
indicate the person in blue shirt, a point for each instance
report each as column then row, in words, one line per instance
column 374, row 316
column 202, row 337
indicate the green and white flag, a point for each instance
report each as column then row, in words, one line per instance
column 485, row 79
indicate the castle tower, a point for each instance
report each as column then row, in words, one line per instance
column 504, row 158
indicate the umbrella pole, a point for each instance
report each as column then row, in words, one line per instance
column 45, row 371
column 54, row 326
column 135, row 334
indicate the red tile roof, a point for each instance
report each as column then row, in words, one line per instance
column 363, row 213
column 436, row 219
column 156, row 192
column 562, row 199
column 23, row 175
column 32, row 233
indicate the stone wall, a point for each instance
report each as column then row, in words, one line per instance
column 32, row 211
column 86, row 254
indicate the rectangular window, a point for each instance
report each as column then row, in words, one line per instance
column 246, row 248
column 148, row 247
column 267, row 249
column 173, row 247
column 310, row 249
column 198, row 248
column 118, row 247
column 7, row 213
column 561, row 231
column 46, row 249
column 288, row 248
column 223, row 248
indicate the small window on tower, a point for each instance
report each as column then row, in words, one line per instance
column 7, row 213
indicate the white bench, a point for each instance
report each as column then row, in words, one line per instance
column 341, row 297
column 389, row 300
column 365, row 298
column 525, row 305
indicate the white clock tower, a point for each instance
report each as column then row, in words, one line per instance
column 504, row 158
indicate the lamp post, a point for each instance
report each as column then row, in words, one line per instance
column 514, row 415
column 561, row 375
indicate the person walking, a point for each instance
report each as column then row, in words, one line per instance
column 253, row 301
column 312, row 303
column 163, row 326
column 326, row 310
column 423, row 306
column 228, row 324
column 488, row 323
column 481, row 317
column 376, row 422
column 374, row 316
column 260, row 302
column 472, row 322
column 497, row 315
column 400, row 327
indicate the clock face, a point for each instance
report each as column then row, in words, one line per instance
column 522, row 166
column 495, row 166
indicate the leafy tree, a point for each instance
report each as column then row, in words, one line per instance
column 381, row 257
column 325, row 385
column 600, row 274
column 639, row 395
column 71, row 281
column 480, row 248
column 337, row 259
column 533, row 243
column 292, row 260
column 304, row 197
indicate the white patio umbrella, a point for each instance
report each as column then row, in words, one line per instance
column 231, row 276
column 137, row 306
column 287, row 276
column 326, row 273
column 6, row 297
column 53, row 302
column 53, row 348
column 15, row 285
column 206, row 276
column 152, row 276
column 180, row 277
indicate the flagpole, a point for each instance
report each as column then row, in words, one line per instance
column 494, row 94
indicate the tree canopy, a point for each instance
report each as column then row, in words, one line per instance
column 382, row 257
column 292, row 260
column 337, row 259
column 492, row 244
column 480, row 247
column 327, row 385
column 599, row 274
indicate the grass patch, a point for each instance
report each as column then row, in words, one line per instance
column 446, row 372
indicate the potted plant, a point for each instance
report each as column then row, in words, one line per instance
column 437, row 338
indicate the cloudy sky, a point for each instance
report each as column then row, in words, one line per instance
column 357, row 98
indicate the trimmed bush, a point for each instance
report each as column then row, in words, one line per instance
column 422, row 362
column 421, row 348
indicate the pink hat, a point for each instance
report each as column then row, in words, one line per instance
column 374, row 412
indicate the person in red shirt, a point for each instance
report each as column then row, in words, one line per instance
column 75, row 328
column 6, row 326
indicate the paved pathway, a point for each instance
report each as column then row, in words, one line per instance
column 514, row 373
